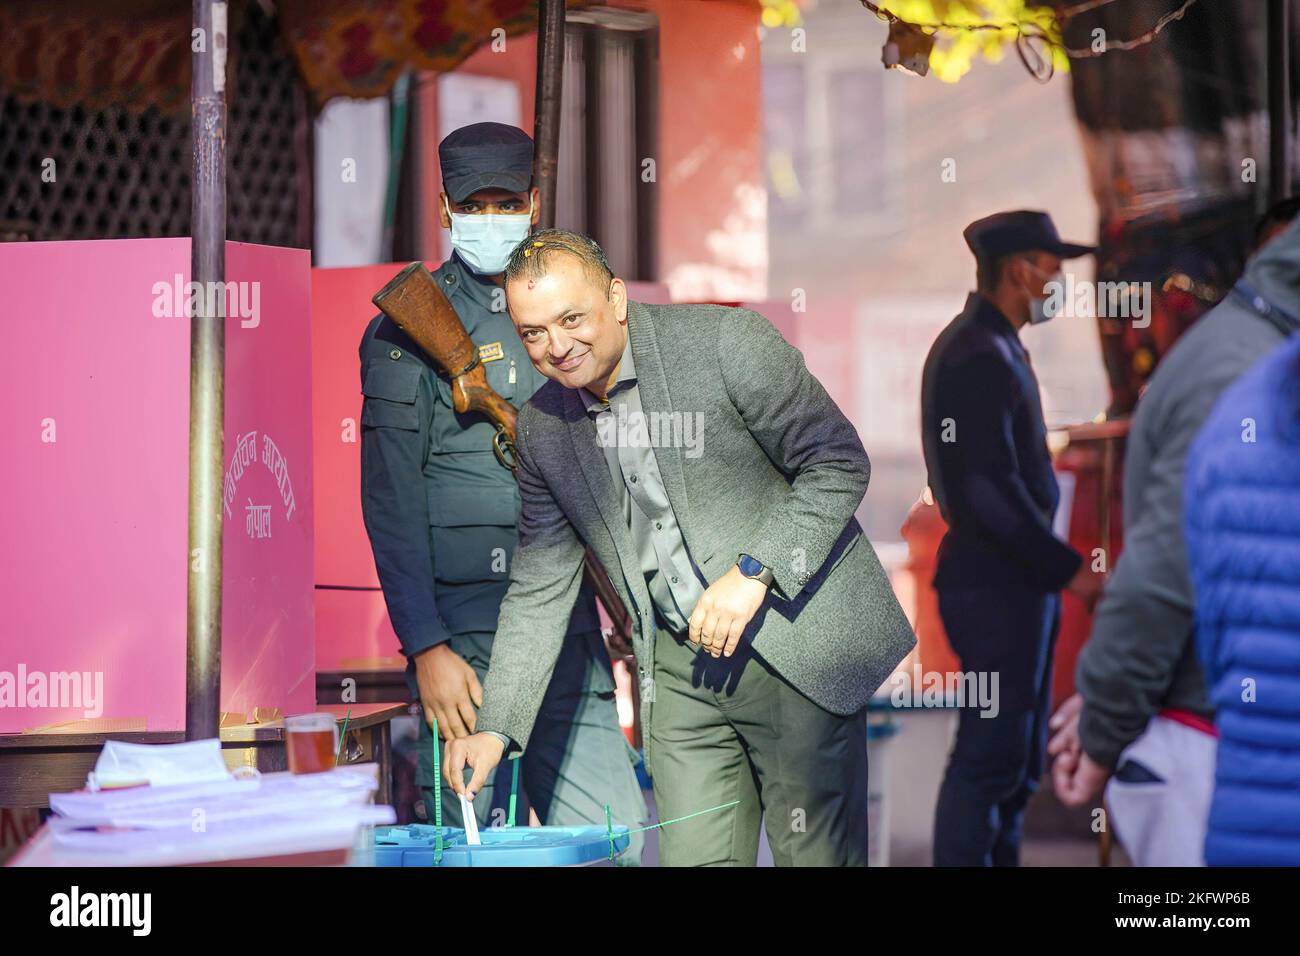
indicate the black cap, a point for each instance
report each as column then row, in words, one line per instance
column 484, row 156
column 1024, row 230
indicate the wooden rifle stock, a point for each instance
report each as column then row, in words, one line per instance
column 413, row 300
column 420, row 309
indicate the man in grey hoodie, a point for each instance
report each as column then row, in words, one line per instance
column 1141, row 716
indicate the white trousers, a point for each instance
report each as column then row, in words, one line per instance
column 1162, row 823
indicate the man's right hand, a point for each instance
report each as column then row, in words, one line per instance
column 481, row 752
column 1087, row 586
column 449, row 691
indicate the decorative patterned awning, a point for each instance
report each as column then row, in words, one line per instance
column 136, row 53
column 346, row 48
column 77, row 53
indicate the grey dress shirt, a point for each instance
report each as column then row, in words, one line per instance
column 622, row 431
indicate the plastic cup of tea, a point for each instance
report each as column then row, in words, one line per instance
column 311, row 742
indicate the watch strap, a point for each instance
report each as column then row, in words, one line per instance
column 751, row 567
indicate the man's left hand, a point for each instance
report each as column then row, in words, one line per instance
column 1065, row 728
column 1077, row 778
column 724, row 611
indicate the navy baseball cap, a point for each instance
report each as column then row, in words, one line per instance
column 484, row 156
column 1005, row 233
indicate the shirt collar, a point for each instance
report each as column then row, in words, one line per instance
column 626, row 376
column 478, row 288
column 989, row 314
column 991, row 317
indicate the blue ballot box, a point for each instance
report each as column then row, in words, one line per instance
column 413, row 845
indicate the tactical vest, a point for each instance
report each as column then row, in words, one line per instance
column 473, row 500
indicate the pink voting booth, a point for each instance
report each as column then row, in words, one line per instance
column 96, row 394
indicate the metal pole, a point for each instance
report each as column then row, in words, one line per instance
column 1279, row 99
column 207, row 372
column 546, row 119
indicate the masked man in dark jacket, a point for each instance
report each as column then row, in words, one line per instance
column 1000, row 567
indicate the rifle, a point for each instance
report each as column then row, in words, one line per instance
column 420, row 309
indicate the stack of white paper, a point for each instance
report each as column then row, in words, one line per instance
column 213, row 821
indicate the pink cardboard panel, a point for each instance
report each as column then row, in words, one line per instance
column 268, row 602
column 352, row 627
column 96, row 453
column 350, row 623
column 92, row 574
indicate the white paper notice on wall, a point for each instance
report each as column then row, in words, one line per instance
column 464, row 99
column 219, row 47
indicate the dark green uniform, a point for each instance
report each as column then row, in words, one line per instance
column 441, row 513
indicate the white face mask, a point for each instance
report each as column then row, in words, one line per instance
column 1044, row 308
column 485, row 240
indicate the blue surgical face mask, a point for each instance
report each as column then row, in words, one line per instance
column 485, row 240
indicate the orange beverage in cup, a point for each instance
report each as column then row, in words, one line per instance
column 311, row 742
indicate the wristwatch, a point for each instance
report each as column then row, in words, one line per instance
column 753, row 568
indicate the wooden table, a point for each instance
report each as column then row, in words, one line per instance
column 32, row 766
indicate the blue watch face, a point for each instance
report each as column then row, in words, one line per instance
column 749, row 567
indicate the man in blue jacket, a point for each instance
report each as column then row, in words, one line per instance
column 1000, row 565
column 1243, row 547
column 441, row 513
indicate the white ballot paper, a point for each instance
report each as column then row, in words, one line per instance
column 471, row 822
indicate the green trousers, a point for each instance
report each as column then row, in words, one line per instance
column 577, row 759
column 732, row 729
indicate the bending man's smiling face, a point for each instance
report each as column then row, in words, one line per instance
column 573, row 327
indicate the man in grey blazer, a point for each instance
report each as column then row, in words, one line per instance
column 716, row 481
